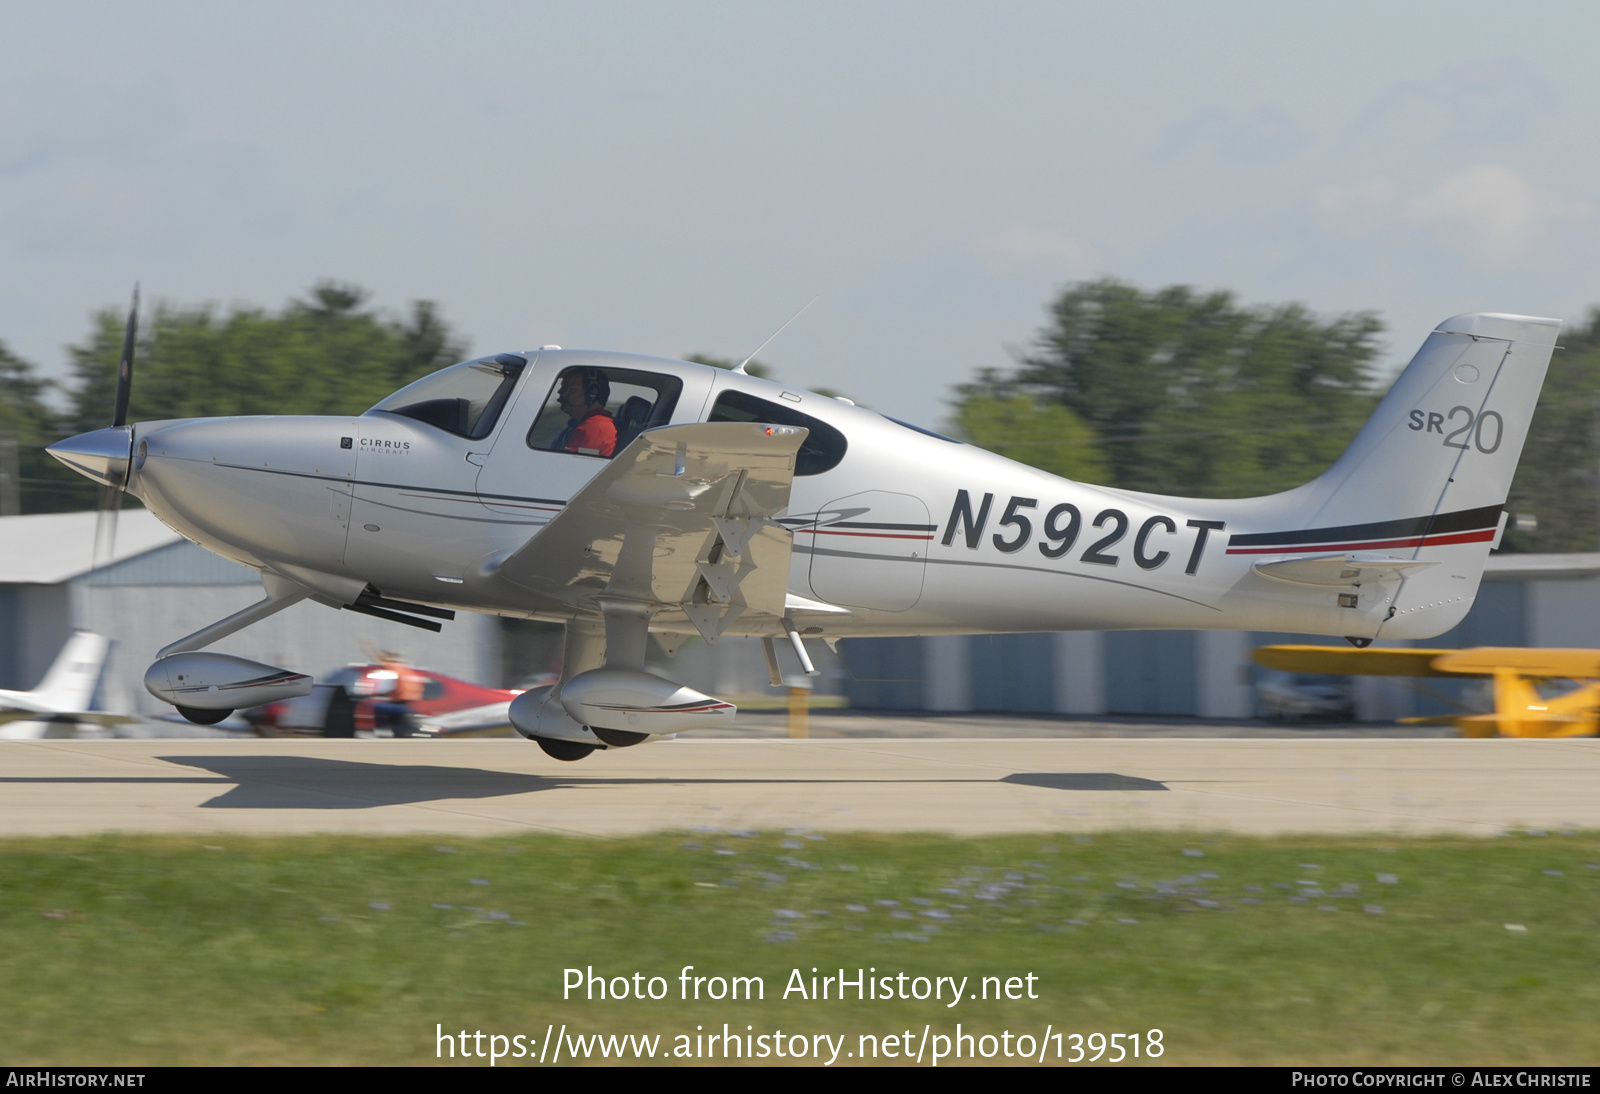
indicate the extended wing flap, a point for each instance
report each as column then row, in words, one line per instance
column 681, row 517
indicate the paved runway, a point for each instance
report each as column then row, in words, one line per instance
column 1405, row 786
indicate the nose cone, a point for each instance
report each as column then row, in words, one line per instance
column 102, row 455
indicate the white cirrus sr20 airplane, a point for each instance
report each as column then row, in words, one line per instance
column 632, row 496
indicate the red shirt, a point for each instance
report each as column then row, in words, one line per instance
column 596, row 435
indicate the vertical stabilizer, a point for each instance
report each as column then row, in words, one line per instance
column 1447, row 437
column 70, row 683
column 1424, row 483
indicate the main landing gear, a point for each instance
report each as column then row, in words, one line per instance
column 563, row 750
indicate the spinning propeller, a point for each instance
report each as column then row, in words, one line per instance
column 114, row 478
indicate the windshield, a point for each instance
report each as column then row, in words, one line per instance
column 464, row 399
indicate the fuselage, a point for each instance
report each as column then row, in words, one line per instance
column 895, row 530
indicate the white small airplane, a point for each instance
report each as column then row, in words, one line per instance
column 633, row 496
column 60, row 704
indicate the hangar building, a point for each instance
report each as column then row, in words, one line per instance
column 1525, row 600
column 158, row 587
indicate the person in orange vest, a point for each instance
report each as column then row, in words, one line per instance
column 394, row 709
column 592, row 431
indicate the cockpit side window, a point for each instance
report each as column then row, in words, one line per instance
column 824, row 447
column 464, row 399
column 594, row 411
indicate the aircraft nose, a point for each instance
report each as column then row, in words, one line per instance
column 101, row 455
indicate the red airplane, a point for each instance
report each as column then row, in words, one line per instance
column 361, row 699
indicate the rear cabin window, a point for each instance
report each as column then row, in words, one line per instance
column 597, row 411
column 823, row 448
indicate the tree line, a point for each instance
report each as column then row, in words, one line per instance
column 1170, row 391
column 1179, row 392
column 1175, row 391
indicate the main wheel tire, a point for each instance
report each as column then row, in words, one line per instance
column 201, row 717
column 620, row 738
column 563, row 750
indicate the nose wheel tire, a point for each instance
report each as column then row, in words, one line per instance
column 563, row 750
column 203, row 717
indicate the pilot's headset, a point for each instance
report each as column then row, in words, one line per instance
column 596, row 388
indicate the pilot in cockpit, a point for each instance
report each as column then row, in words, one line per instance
column 592, row 431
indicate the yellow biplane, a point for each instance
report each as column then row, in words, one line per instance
column 1520, row 709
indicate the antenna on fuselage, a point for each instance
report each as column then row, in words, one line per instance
column 780, row 330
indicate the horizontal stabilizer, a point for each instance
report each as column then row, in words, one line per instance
column 1340, row 570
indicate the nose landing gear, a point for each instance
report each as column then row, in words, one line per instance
column 203, row 717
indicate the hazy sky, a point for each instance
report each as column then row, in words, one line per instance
column 679, row 178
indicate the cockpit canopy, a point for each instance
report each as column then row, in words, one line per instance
column 595, row 410
column 464, row 399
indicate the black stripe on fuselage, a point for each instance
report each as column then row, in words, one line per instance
column 393, row 485
column 1464, row 520
column 532, row 522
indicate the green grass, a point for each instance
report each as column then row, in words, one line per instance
column 132, row 950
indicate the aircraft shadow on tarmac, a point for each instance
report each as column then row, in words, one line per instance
column 301, row 782
column 1099, row 780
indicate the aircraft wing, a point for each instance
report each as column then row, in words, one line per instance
column 1340, row 570
column 1352, row 662
column 42, row 714
column 19, row 705
column 1478, row 661
column 493, row 717
column 1555, row 664
column 682, row 519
